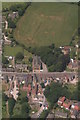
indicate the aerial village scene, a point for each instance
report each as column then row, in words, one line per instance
column 40, row 60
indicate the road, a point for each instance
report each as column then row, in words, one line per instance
column 45, row 73
column 41, row 75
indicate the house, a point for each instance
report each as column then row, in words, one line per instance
column 13, row 15
column 15, row 90
column 64, row 103
column 75, row 106
column 61, row 100
column 29, row 88
column 72, row 106
column 67, row 104
column 73, row 64
column 25, row 88
column 33, row 92
column 66, row 50
column 21, row 67
column 37, row 64
column 45, row 106
column 40, row 89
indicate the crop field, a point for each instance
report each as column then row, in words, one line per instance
column 47, row 23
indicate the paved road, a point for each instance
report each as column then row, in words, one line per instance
column 48, row 73
column 42, row 75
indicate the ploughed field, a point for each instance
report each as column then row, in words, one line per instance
column 47, row 23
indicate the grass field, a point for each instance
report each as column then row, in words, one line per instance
column 11, row 51
column 47, row 23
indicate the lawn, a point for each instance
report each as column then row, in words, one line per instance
column 47, row 23
column 12, row 51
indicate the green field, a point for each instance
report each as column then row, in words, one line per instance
column 47, row 23
column 11, row 51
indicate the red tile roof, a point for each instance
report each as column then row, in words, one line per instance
column 62, row 99
column 76, row 108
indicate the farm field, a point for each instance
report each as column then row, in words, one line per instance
column 47, row 23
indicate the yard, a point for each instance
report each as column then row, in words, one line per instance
column 12, row 51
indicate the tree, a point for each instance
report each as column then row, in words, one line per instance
column 6, row 33
column 11, row 23
column 21, row 12
column 7, row 79
column 25, row 110
column 25, row 99
column 19, row 56
column 29, row 68
column 5, row 60
column 11, row 104
column 54, row 91
column 4, row 97
column 52, row 57
column 42, row 85
column 44, row 114
column 30, row 59
column 52, row 46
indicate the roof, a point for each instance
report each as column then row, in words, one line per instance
column 66, row 104
column 73, row 64
column 67, row 47
column 76, row 107
column 13, row 15
column 62, row 99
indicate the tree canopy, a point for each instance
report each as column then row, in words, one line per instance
column 19, row 56
column 52, row 56
column 5, row 60
column 54, row 91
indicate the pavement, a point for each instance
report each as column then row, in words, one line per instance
column 57, row 74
